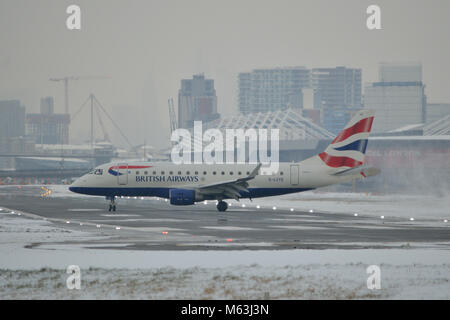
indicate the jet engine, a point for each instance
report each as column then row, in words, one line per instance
column 181, row 197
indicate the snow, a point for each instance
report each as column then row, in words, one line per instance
column 242, row 282
column 29, row 272
column 363, row 204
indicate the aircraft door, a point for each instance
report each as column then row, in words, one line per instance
column 294, row 174
column 122, row 177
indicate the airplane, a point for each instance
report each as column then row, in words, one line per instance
column 185, row 184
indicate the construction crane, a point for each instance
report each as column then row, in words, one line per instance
column 172, row 116
column 66, row 86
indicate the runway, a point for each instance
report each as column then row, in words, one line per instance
column 150, row 224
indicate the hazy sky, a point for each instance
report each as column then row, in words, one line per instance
column 147, row 47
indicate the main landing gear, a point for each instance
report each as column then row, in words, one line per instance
column 222, row 206
column 112, row 204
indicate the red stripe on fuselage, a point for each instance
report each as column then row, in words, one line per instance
column 363, row 125
column 337, row 162
column 130, row 167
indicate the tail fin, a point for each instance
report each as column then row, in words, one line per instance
column 348, row 149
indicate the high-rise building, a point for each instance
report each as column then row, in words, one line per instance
column 47, row 105
column 197, row 101
column 335, row 118
column 337, row 94
column 338, row 87
column 48, row 127
column 263, row 90
column 12, row 130
column 398, row 98
column 397, row 104
column 400, row 72
column 12, row 119
column 436, row 111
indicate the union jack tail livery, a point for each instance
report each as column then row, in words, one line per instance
column 348, row 149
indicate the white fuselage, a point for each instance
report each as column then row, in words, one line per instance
column 157, row 179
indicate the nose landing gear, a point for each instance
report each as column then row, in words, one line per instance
column 112, row 204
column 222, row 206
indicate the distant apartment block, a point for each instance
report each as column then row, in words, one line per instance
column 396, row 104
column 12, row 119
column 337, row 94
column 400, row 72
column 264, row 90
column 197, row 101
column 398, row 98
column 12, row 131
column 48, row 127
column 337, row 87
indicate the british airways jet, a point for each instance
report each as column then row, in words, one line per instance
column 186, row 184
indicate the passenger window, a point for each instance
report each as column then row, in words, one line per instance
column 137, row 172
column 171, row 172
column 162, row 173
column 281, row 173
column 188, row 173
column 248, row 173
column 179, row 172
column 214, row 173
column 231, row 173
column 196, row 172
column 205, row 173
column 223, row 173
column 146, row 172
column 154, row 172
column 239, row 173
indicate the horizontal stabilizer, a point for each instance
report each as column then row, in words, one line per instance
column 364, row 171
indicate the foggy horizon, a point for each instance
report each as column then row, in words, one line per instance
column 148, row 47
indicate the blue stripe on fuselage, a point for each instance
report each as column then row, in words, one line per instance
column 164, row 192
column 358, row 145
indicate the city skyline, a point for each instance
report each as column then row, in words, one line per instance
column 147, row 54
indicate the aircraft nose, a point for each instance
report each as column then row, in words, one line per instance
column 77, row 185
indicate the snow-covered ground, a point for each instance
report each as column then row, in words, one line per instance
column 313, row 281
column 40, row 273
column 395, row 205
column 27, row 272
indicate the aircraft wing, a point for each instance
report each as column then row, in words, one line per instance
column 364, row 171
column 229, row 188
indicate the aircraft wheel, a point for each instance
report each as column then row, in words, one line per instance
column 110, row 208
column 114, row 208
column 222, row 206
